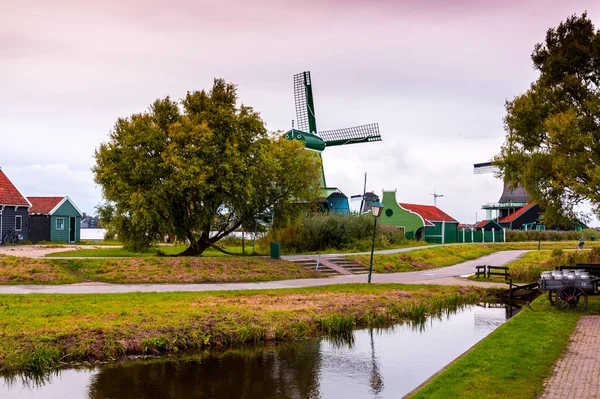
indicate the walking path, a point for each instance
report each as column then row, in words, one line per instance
column 445, row 276
column 576, row 375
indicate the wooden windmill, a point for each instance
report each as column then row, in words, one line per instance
column 512, row 199
column 319, row 140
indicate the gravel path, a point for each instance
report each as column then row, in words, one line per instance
column 446, row 275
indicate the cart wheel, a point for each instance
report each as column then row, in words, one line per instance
column 568, row 298
column 550, row 298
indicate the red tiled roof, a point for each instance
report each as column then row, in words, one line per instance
column 429, row 212
column 9, row 195
column 514, row 215
column 481, row 224
column 43, row 205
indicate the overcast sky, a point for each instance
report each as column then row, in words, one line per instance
column 433, row 74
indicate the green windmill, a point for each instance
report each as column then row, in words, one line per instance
column 333, row 199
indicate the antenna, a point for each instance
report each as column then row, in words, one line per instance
column 436, row 196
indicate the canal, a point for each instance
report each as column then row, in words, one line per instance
column 375, row 363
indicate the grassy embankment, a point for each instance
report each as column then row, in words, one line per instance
column 16, row 270
column 40, row 332
column 447, row 255
column 514, row 360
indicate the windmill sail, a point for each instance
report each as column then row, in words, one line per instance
column 305, row 105
column 351, row 135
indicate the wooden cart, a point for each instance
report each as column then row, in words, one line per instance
column 568, row 293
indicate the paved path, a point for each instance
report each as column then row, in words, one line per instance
column 444, row 275
column 577, row 374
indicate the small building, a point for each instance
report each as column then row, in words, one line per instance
column 525, row 218
column 440, row 227
column 14, row 215
column 54, row 219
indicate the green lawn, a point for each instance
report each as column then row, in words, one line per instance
column 158, row 269
column 152, row 251
column 513, row 361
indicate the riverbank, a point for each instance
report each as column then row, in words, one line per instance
column 41, row 332
column 514, row 360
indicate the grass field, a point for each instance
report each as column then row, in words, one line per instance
column 152, row 251
column 15, row 270
column 514, row 360
column 40, row 332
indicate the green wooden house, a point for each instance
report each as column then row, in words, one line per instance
column 395, row 215
column 54, row 219
column 440, row 227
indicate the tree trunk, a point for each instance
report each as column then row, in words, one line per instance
column 196, row 248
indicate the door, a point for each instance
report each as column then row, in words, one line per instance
column 39, row 228
column 72, row 229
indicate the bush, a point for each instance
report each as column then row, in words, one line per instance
column 332, row 231
column 549, row 235
column 557, row 252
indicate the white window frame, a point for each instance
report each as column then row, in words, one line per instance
column 21, row 219
column 63, row 224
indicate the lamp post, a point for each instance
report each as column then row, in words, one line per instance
column 376, row 208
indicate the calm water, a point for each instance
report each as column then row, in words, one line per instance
column 383, row 363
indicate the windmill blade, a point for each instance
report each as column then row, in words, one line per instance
column 484, row 167
column 351, row 135
column 305, row 106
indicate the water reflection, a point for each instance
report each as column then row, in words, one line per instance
column 377, row 363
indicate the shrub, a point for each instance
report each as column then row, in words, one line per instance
column 332, row 231
column 557, row 252
column 549, row 235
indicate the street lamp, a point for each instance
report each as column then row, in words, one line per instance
column 376, row 208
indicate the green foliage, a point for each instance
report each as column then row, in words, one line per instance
column 550, row 235
column 557, row 252
column 204, row 164
column 552, row 144
column 333, row 231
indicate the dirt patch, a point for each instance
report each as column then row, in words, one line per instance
column 39, row 251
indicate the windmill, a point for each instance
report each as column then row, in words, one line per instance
column 319, row 140
column 366, row 198
column 512, row 199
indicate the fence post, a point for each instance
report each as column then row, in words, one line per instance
column 483, row 234
column 463, row 236
column 472, row 239
column 493, row 234
column 318, row 261
column 504, row 235
column 443, row 230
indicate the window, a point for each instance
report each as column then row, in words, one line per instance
column 18, row 222
column 60, row 223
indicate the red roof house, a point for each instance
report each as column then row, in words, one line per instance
column 527, row 215
column 14, row 215
column 9, row 195
column 439, row 226
column 55, row 219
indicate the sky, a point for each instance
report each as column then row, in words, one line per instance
column 434, row 74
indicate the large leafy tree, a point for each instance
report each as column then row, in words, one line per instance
column 197, row 170
column 552, row 144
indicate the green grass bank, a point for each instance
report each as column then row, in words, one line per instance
column 41, row 332
column 514, row 360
